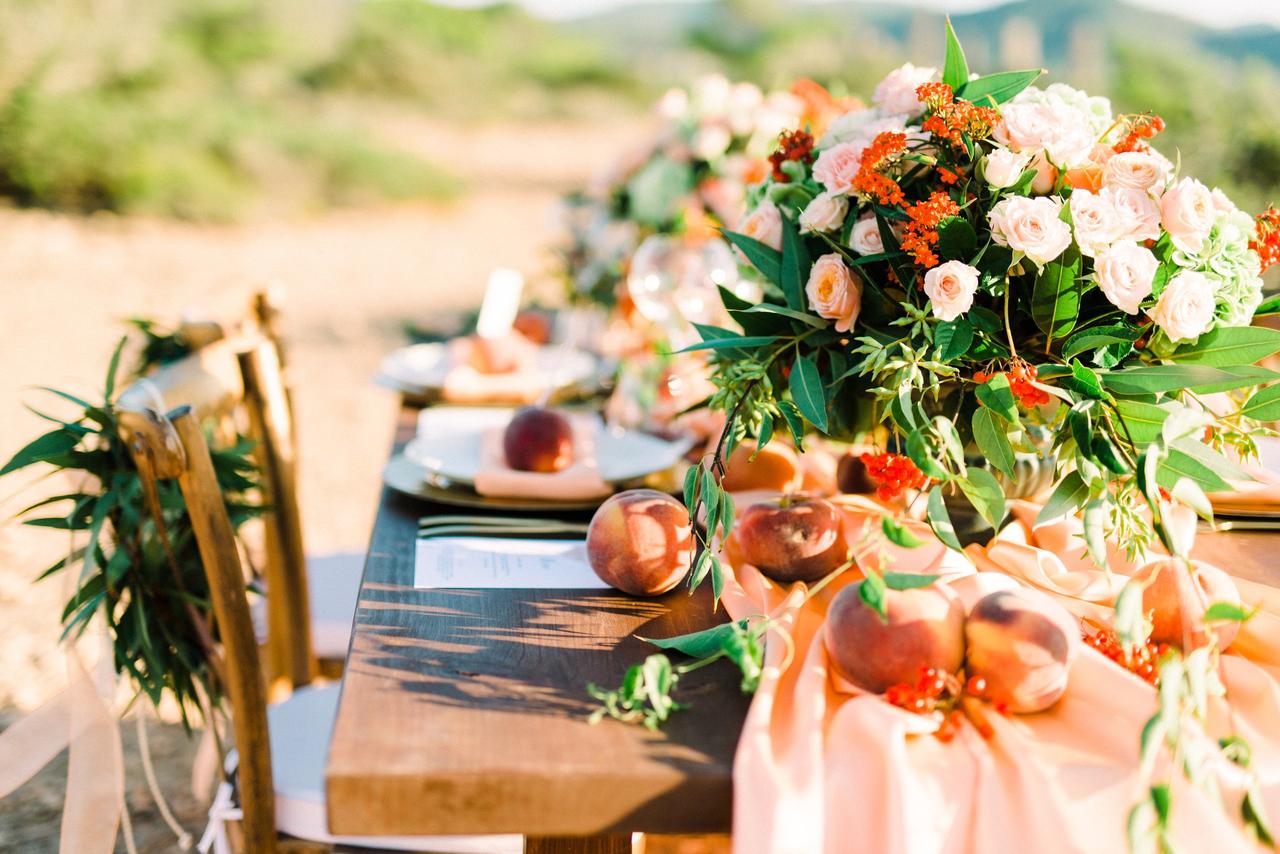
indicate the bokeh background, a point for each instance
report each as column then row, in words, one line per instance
column 374, row 158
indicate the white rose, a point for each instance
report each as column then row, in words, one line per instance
column 765, row 224
column 1031, row 226
column 1137, row 214
column 1222, row 202
column 865, row 236
column 896, row 93
column 1096, row 223
column 1185, row 308
column 1062, row 133
column 1003, row 167
column 1124, row 272
column 825, row 213
column 833, row 292
column 1138, row 170
column 950, row 288
column 1187, row 213
column 711, row 141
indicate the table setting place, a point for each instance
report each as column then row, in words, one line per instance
column 900, row 475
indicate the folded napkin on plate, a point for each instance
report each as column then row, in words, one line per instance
column 823, row 768
column 1261, row 495
column 579, row 481
column 464, row 383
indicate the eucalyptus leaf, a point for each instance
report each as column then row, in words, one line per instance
column 1230, row 345
column 808, row 392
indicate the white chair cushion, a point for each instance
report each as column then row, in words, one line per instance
column 300, row 728
column 334, row 583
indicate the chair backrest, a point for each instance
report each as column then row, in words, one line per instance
column 174, row 447
column 237, row 382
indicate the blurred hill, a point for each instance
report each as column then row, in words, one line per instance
column 227, row 109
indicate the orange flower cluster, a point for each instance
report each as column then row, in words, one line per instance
column 820, row 106
column 892, row 473
column 921, row 233
column 954, row 120
column 1020, row 376
column 1268, row 243
column 792, row 145
column 1138, row 128
column 882, row 153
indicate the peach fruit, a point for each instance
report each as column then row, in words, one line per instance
column 538, row 439
column 851, row 475
column 640, row 541
column 1021, row 644
column 776, row 467
column 793, row 538
column 534, row 324
column 925, row 628
column 1176, row 598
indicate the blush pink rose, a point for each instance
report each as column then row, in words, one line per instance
column 1033, row 227
column 1124, row 272
column 1003, row 167
column 1185, row 307
column 896, row 93
column 1095, row 221
column 825, row 213
column 833, row 293
column 1137, row 213
column 1187, row 213
column 836, row 167
column 1138, row 170
column 1060, row 132
column 864, row 238
column 765, row 224
column 950, row 288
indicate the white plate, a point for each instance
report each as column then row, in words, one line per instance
column 448, row 445
column 423, row 367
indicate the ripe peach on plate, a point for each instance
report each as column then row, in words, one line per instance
column 1021, row 644
column 925, row 628
column 775, row 468
column 851, row 475
column 1176, row 597
column 538, row 439
column 641, row 542
column 793, row 538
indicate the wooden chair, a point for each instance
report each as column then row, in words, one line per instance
column 237, row 385
column 282, row 747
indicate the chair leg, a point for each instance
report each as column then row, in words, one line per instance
column 617, row 843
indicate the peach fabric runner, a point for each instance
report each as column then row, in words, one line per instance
column 1263, row 494
column 822, row 767
column 580, row 480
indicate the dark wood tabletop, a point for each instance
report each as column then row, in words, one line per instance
column 466, row 711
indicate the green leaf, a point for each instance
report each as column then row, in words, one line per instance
column 940, row 519
column 1055, row 297
column 1142, row 420
column 1229, row 346
column 764, row 436
column 956, row 239
column 41, row 449
column 781, row 310
column 727, row 512
column 808, row 393
column 999, row 87
column 1156, row 379
column 992, row 441
column 952, row 338
column 1211, row 459
column 1099, row 336
column 871, row 590
column 921, row 451
column 691, row 485
column 795, row 424
column 1179, row 464
column 717, row 582
column 955, row 70
column 717, row 338
column 795, row 265
column 1254, row 814
column 1068, row 496
column 1263, row 405
column 898, row 534
column 908, row 580
column 764, row 258
column 996, row 395
column 985, row 494
column 113, row 367
column 1229, row 611
column 1128, row 615
column 1085, row 382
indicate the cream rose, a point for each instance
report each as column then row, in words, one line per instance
column 833, row 293
column 765, row 224
column 1061, row 133
column 864, row 238
column 1032, row 227
column 1137, row 214
column 896, row 93
column 825, row 213
column 1096, row 223
column 1138, row 170
column 1187, row 213
column 950, row 288
column 1003, row 167
column 1124, row 272
column 1185, row 307
column 836, row 167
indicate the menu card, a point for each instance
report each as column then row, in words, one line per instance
column 491, row 563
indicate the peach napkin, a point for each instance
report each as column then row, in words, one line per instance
column 1263, row 494
column 822, row 767
column 463, row 383
column 579, row 481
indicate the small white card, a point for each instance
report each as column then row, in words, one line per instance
column 489, row 563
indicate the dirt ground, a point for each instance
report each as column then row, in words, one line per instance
column 351, row 278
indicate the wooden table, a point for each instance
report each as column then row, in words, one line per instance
column 465, row 711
